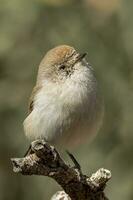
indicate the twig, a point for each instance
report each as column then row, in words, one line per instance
column 45, row 160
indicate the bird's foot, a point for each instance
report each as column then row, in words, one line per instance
column 28, row 152
column 76, row 164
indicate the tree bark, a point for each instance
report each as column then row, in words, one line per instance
column 44, row 159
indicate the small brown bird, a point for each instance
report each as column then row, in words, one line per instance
column 65, row 106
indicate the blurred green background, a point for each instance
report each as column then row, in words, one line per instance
column 104, row 29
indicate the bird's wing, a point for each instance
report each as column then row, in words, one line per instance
column 32, row 98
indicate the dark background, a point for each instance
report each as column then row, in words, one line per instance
column 102, row 28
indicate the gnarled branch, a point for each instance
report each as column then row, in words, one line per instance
column 43, row 159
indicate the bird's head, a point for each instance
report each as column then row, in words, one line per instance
column 59, row 63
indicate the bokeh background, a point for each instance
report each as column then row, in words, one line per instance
column 104, row 29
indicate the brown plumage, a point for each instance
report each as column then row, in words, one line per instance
column 65, row 106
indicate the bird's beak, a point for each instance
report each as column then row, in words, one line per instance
column 80, row 57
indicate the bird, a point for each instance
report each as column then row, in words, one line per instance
column 66, row 106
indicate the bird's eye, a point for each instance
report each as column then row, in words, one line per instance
column 62, row 67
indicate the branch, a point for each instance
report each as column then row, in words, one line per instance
column 43, row 159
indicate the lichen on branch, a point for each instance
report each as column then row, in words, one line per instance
column 43, row 159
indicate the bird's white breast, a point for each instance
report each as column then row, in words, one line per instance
column 60, row 108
